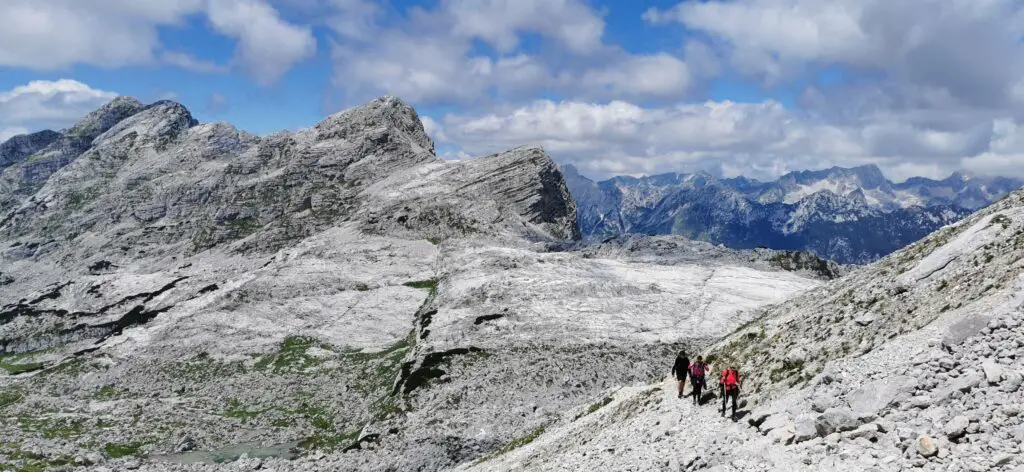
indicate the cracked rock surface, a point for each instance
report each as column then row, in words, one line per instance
column 186, row 296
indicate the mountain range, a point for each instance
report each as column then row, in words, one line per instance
column 185, row 296
column 852, row 216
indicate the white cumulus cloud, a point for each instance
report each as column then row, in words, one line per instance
column 44, row 104
column 761, row 140
column 57, row 34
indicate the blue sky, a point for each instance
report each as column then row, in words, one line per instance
column 751, row 87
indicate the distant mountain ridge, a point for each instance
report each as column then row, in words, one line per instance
column 850, row 215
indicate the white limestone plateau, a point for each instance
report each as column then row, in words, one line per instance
column 185, row 296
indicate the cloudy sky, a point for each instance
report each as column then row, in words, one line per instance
column 735, row 87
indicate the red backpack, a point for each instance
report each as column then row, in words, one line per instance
column 697, row 369
column 731, row 379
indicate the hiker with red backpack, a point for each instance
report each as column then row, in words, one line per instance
column 697, row 370
column 729, row 384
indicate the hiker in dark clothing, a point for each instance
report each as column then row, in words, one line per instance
column 680, row 370
column 729, row 384
column 697, row 378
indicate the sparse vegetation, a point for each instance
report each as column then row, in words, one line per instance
column 523, row 440
column 123, row 450
column 13, row 366
column 293, row 354
column 423, row 284
column 601, row 404
column 51, row 427
column 237, row 411
column 32, row 462
column 10, row 397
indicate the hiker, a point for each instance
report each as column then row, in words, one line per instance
column 697, row 378
column 729, row 384
column 680, row 370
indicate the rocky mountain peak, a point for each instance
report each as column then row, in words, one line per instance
column 18, row 148
column 104, row 118
column 384, row 116
column 158, row 122
column 870, row 176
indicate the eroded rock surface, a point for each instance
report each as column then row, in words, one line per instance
column 177, row 294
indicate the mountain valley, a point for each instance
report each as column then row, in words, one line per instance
column 176, row 295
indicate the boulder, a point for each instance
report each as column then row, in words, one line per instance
column 805, row 428
column 865, row 319
column 873, row 398
column 921, row 401
column 783, row 435
column 956, row 427
column 926, row 446
column 775, row 421
column 836, row 420
column 993, row 372
column 864, row 431
column 822, row 402
column 796, row 356
column 1012, row 381
column 968, row 382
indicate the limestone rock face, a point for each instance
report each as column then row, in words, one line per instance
column 18, row 148
column 338, row 293
column 931, row 382
column 342, row 297
column 51, row 151
column 521, row 188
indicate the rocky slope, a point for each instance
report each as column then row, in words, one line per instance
column 912, row 362
column 176, row 294
column 853, row 216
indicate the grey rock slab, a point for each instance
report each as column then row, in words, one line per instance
column 805, row 428
column 870, row 400
column 775, row 421
column 782, row 435
column 836, row 420
column 864, row 431
column 865, row 319
column 993, row 372
column 1012, row 380
column 956, row 427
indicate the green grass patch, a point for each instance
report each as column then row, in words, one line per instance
column 13, row 363
column 522, row 441
column 423, row 284
column 292, row 355
column 601, row 404
column 237, row 411
column 115, row 450
column 203, row 368
column 106, row 391
column 10, row 397
column 31, row 462
column 51, row 427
